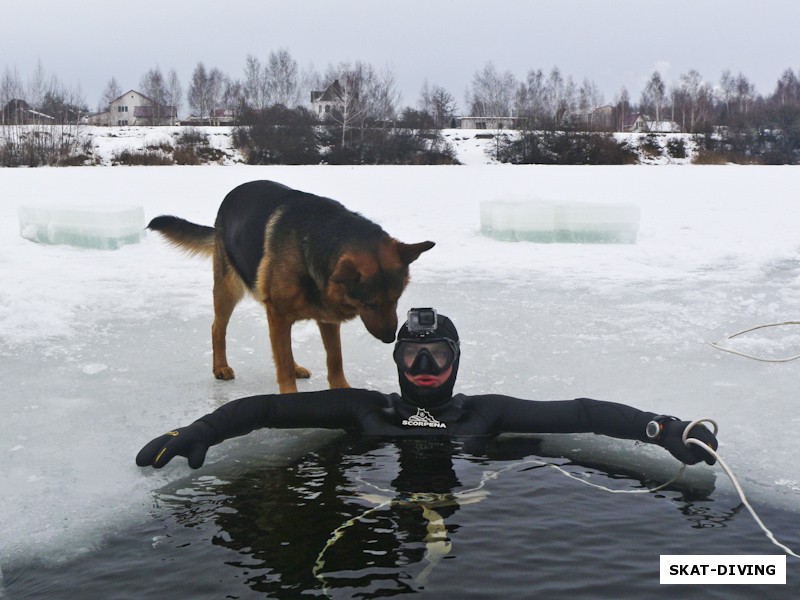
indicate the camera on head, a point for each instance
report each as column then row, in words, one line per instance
column 422, row 321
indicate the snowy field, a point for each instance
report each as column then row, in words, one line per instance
column 102, row 350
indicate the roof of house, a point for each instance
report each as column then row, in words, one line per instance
column 18, row 105
column 135, row 92
column 333, row 93
column 630, row 119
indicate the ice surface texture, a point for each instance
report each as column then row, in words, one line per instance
column 543, row 221
column 99, row 227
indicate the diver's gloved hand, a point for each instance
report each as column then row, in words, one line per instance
column 191, row 442
column 671, row 439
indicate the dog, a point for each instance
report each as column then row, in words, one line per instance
column 304, row 257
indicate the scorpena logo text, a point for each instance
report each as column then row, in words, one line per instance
column 423, row 419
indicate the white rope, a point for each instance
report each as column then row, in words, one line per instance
column 604, row 488
column 473, row 494
column 693, row 441
column 759, row 358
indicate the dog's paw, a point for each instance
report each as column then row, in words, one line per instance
column 301, row 372
column 224, row 373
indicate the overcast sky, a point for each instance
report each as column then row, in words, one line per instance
column 613, row 43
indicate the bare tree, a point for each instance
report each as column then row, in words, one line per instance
column 555, row 99
column 206, row 91
column 309, row 80
column 623, row 108
column 11, row 87
column 281, row 76
column 174, row 91
column 443, row 106
column 654, row 94
column 352, row 91
column 693, row 97
column 386, row 96
column 589, row 96
column 745, row 93
column 531, row 97
column 491, row 93
column 39, row 85
column 153, row 86
column 256, row 94
column 787, row 92
column 111, row 92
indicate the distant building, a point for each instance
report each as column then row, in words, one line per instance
column 134, row 108
column 599, row 119
column 639, row 123
column 635, row 123
column 491, row 122
column 219, row 116
column 325, row 102
column 19, row 112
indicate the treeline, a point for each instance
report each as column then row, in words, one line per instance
column 270, row 102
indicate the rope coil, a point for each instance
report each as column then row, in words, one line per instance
column 718, row 345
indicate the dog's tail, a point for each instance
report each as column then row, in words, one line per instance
column 194, row 239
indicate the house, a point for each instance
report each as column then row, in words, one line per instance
column 491, row 122
column 635, row 123
column 327, row 101
column 638, row 123
column 134, row 108
column 19, row 112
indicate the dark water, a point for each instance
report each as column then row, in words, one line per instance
column 375, row 519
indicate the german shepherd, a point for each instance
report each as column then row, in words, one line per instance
column 304, row 257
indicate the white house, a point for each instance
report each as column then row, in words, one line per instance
column 638, row 123
column 134, row 108
column 327, row 101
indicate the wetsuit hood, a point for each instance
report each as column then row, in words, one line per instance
column 427, row 397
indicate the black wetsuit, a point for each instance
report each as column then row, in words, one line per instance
column 373, row 413
column 420, row 411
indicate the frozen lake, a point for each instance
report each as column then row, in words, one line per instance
column 102, row 350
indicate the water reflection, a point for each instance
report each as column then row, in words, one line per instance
column 363, row 518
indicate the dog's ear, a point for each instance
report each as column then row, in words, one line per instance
column 346, row 271
column 408, row 253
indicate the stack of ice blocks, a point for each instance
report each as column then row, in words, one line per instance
column 101, row 227
column 564, row 222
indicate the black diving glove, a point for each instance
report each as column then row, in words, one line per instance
column 191, row 442
column 671, row 439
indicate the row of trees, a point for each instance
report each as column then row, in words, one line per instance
column 54, row 108
column 691, row 101
column 369, row 99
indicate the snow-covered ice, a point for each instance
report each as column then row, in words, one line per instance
column 102, row 350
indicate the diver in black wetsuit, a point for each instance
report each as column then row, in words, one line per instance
column 427, row 355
